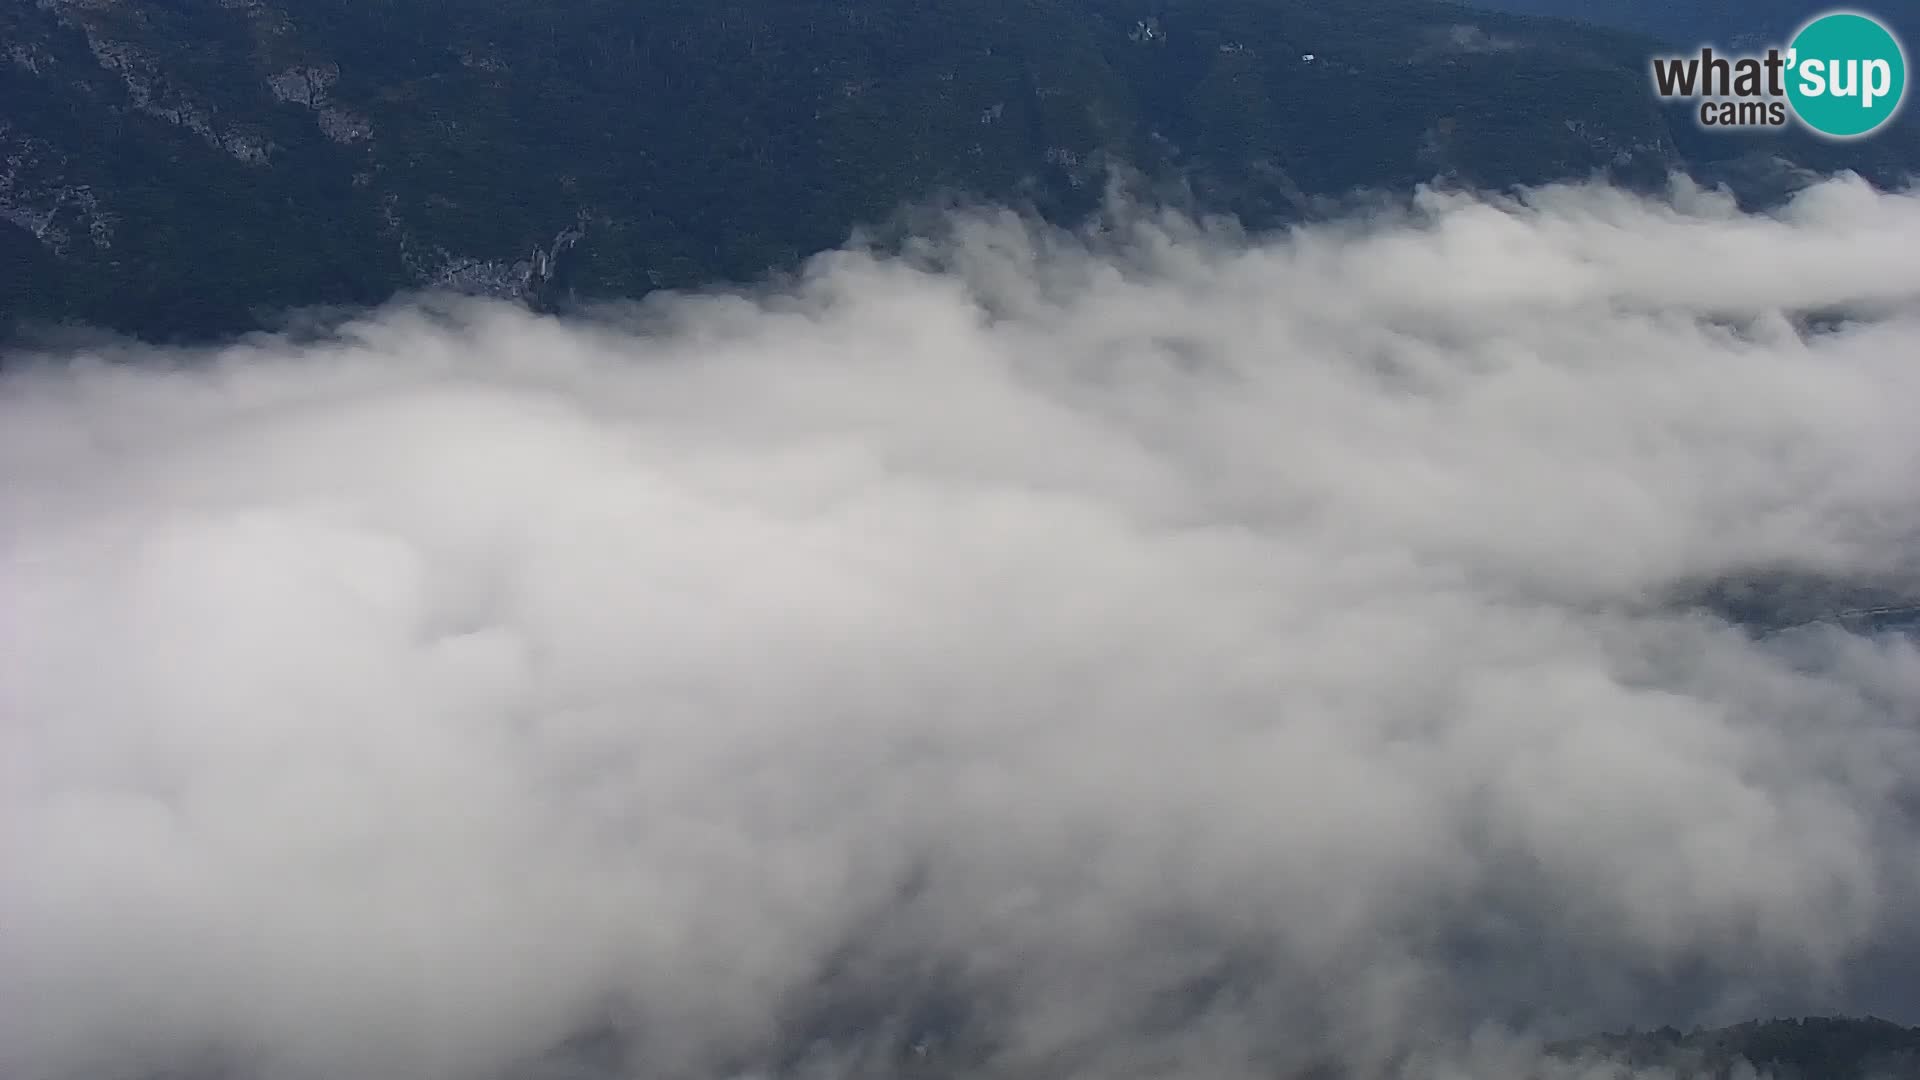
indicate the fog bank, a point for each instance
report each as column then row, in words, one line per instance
column 1155, row 654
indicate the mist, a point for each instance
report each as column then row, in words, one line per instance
column 1151, row 651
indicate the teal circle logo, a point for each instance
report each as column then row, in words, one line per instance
column 1847, row 75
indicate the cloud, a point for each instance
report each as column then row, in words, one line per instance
column 1147, row 653
column 1467, row 38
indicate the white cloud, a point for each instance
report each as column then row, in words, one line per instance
column 1173, row 649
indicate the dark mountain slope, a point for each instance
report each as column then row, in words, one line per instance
column 187, row 169
column 939, row 1048
column 1728, row 23
column 1810, row 1049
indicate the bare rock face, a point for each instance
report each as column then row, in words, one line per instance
column 152, row 85
column 304, row 85
column 310, row 87
column 35, row 195
column 344, row 127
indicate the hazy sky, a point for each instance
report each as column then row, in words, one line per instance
column 1146, row 657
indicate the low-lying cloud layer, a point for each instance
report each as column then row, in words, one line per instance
column 1159, row 655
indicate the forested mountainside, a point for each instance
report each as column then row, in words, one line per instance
column 1804, row 1049
column 1728, row 23
column 189, row 169
column 1810, row 1048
